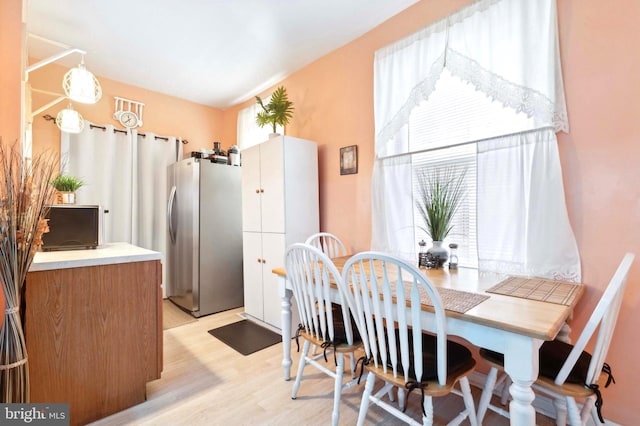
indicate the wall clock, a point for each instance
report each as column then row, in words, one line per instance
column 128, row 119
column 128, row 112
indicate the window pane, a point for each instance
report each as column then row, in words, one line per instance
column 462, row 159
column 457, row 113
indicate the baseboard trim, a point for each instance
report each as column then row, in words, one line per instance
column 542, row 404
column 259, row 322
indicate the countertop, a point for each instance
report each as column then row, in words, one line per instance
column 106, row 254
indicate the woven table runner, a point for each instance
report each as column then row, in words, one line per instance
column 559, row 292
column 452, row 300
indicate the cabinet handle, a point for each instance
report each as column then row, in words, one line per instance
column 261, row 190
column 264, row 261
column 259, row 260
column 257, row 191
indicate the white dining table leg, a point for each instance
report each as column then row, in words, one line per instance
column 285, row 295
column 521, row 364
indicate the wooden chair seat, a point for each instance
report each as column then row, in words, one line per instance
column 574, row 390
column 340, row 347
column 432, row 387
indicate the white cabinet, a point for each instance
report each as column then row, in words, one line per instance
column 279, row 208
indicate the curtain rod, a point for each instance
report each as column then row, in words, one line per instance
column 115, row 130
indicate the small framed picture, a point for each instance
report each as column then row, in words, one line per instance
column 349, row 160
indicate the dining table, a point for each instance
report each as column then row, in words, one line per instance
column 513, row 324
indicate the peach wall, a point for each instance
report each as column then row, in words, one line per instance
column 163, row 114
column 333, row 98
column 10, row 69
column 600, row 163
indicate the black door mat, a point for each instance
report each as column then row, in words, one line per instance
column 246, row 337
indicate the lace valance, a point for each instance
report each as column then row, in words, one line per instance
column 508, row 49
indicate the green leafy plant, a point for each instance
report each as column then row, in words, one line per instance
column 66, row 183
column 279, row 110
column 441, row 192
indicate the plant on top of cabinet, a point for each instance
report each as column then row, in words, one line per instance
column 67, row 186
column 66, row 183
column 279, row 110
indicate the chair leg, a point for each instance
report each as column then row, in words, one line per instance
column 594, row 415
column 574, row 414
column 468, row 401
column 589, row 407
column 505, row 390
column 303, row 363
column 487, row 392
column 364, row 404
column 427, row 420
column 561, row 411
column 401, row 397
column 337, row 389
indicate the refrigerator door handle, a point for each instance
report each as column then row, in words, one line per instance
column 172, row 197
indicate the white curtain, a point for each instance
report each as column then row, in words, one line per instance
column 103, row 159
column 392, row 181
column 126, row 174
column 523, row 225
column 508, row 50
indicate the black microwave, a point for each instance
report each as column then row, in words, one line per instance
column 72, row 227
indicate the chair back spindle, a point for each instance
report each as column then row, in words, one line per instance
column 327, row 243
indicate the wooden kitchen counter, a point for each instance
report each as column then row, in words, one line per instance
column 94, row 328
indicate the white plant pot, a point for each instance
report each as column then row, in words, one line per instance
column 68, row 197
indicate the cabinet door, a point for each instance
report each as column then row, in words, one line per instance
column 252, row 273
column 272, row 182
column 251, row 216
column 273, row 246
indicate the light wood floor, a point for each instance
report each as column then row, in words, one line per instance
column 205, row 382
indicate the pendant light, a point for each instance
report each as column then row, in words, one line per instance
column 78, row 83
column 81, row 85
column 69, row 120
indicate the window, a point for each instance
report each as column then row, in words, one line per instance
column 481, row 90
column 441, row 134
column 249, row 133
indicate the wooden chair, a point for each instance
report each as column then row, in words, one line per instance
column 325, row 323
column 389, row 317
column 558, row 379
column 328, row 243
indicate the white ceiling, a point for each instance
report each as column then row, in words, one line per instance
column 212, row 52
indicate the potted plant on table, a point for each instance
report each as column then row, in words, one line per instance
column 67, row 186
column 278, row 111
column 440, row 194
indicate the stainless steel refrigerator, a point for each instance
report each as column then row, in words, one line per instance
column 204, row 253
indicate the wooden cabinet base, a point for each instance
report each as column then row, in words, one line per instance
column 94, row 336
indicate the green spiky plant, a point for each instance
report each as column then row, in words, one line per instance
column 66, row 183
column 441, row 192
column 279, row 110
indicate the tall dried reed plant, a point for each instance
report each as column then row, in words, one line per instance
column 25, row 193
